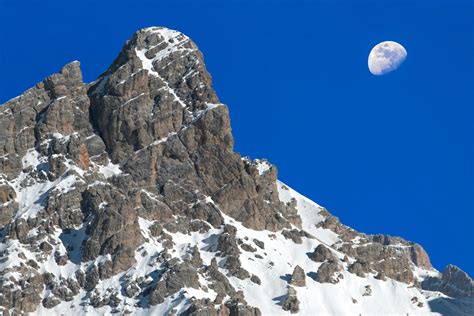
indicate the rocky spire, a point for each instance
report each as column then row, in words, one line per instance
column 155, row 88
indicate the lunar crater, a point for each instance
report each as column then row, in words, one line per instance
column 386, row 57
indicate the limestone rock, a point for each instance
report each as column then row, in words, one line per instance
column 298, row 278
column 367, row 291
column 238, row 308
column 327, row 272
column 453, row 282
column 294, row 235
column 322, row 253
column 359, row 268
column 7, row 196
column 51, row 301
column 291, row 303
column 255, row 279
column 178, row 276
column 259, row 243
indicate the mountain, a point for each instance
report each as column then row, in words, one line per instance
column 125, row 196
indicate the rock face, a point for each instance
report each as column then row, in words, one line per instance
column 328, row 272
column 125, row 195
column 162, row 122
column 298, row 278
column 453, row 282
column 321, row 254
column 291, row 302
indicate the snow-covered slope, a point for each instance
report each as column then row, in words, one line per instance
column 273, row 265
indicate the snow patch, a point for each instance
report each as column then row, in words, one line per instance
column 110, row 170
column 262, row 166
column 32, row 192
column 148, row 65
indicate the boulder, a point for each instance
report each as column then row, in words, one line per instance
column 291, row 302
column 322, row 253
column 327, row 272
column 298, row 278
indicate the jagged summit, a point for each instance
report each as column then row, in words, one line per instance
column 157, row 63
column 125, row 196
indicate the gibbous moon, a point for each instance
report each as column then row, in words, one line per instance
column 386, row 57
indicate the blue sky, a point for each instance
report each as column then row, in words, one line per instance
column 391, row 154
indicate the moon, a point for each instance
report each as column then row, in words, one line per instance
column 386, row 57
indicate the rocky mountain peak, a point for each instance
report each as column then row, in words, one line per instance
column 125, row 195
column 157, row 86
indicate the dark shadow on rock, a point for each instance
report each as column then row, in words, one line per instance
column 312, row 275
column 41, row 200
column 178, row 299
column 72, row 240
column 211, row 243
column 453, row 306
column 156, row 276
column 286, row 277
column 144, row 297
column 279, row 299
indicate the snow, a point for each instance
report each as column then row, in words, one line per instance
column 110, row 170
column 175, row 41
column 66, row 185
column 103, row 205
column 280, row 256
column 31, row 197
column 162, row 140
column 14, row 248
column 316, row 298
column 421, row 273
column 262, row 166
column 150, row 195
column 59, row 246
column 148, row 65
column 309, row 212
column 198, row 114
column 132, row 99
column 100, row 88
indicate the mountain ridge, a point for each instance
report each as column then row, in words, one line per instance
column 125, row 196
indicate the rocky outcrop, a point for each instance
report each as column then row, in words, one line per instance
column 419, row 257
column 382, row 259
column 177, row 277
column 291, row 302
column 322, row 253
column 8, row 204
column 148, row 139
column 359, row 268
column 185, row 141
column 453, row 282
column 386, row 255
column 415, row 252
column 328, row 272
column 298, row 278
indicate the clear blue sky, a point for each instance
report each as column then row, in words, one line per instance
column 391, row 154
